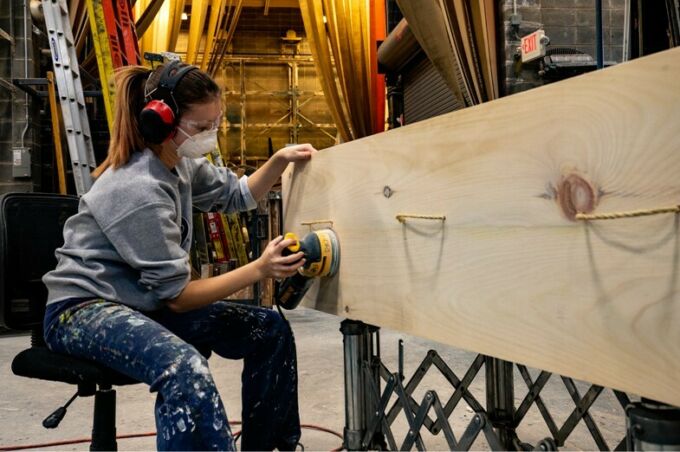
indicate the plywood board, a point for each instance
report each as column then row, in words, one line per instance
column 510, row 272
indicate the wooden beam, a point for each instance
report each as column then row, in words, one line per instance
column 175, row 23
column 56, row 133
column 262, row 3
column 199, row 9
column 217, row 10
column 226, row 34
column 510, row 272
column 147, row 17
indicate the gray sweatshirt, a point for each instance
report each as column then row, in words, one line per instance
column 130, row 240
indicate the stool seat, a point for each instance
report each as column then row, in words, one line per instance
column 44, row 364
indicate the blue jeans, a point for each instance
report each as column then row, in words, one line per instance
column 161, row 349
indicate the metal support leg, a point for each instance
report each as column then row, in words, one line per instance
column 104, row 424
column 599, row 51
column 652, row 426
column 358, row 341
column 500, row 399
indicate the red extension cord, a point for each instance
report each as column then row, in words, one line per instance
column 141, row 435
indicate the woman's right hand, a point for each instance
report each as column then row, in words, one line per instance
column 273, row 265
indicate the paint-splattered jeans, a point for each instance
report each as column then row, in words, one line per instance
column 160, row 349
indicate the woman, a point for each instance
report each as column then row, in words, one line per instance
column 121, row 294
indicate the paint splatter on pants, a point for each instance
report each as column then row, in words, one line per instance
column 161, row 349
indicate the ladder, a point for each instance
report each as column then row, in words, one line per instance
column 70, row 91
column 115, row 43
column 102, row 49
column 121, row 25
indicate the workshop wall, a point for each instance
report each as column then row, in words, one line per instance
column 568, row 23
column 12, row 100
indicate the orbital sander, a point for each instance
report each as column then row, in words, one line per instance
column 321, row 250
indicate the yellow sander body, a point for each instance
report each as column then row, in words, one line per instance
column 321, row 250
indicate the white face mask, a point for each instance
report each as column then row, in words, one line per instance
column 198, row 145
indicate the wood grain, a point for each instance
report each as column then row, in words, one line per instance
column 509, row 273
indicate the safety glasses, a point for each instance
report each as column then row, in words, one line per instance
column 203, row 125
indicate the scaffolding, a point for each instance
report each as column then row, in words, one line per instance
column 292, row 98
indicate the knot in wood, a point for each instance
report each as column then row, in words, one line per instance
column 387, row 191
column 575, row 195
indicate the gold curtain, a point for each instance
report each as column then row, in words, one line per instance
column 459, row 37
column 339, row 36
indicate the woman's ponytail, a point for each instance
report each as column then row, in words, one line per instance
column 129, row 102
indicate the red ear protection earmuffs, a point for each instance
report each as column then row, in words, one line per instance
column 158, row 118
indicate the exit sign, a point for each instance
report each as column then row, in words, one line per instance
column 533, row 46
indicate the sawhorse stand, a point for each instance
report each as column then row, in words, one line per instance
column 368, row 418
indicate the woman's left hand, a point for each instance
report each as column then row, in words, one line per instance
column 262, row 180
column 297, row 153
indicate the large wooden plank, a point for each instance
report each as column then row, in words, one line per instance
column 510, row 273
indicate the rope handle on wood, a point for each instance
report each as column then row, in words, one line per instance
column 312, row 223
column 628, row 214
column 401, row 218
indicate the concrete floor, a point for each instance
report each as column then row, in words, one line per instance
column 25, row 403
